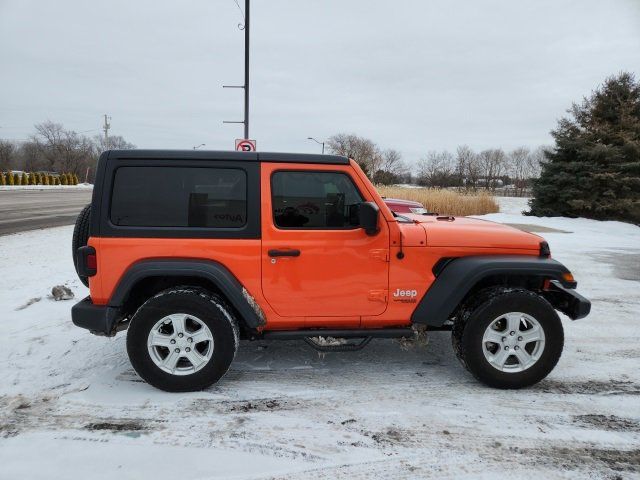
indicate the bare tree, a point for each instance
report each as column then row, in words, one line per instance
column 364, row 151
column 7, row 155
column 116, row 142
column 535, row 161
column 492, row 164
column 436, row 169
column 465, row 157
column 30, row 157
column 64, row 150
column 392, row 169
column 518, row 162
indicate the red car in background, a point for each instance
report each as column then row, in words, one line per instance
column 398, row 205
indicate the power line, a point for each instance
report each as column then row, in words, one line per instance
column 241, row 12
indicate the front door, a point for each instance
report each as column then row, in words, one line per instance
column 316, row 261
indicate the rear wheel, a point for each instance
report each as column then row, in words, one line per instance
column 508, row 338
column 182, row 339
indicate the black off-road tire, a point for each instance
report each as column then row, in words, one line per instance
column 210, row 309
column 81, row 237
column 478, row 313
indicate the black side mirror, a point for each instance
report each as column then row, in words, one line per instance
column 368, row 213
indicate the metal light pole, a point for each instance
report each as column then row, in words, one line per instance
column 245, row 27
column 318, row 142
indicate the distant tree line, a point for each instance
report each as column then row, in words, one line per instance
column 53, row 148
column 488, row 169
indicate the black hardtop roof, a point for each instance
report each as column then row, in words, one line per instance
column 228, row 156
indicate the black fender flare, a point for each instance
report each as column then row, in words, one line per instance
column 459, row 276
column 235, row 293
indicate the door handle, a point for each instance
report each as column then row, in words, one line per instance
column 290, row 252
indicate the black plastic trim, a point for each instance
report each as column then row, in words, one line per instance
column 230, row 155
column 440, row 265
column 293, row 252
column 568, row 301
column 98, row 319
column 209, row 270
column 545, row 251
column 461, row 274
column 351, row 333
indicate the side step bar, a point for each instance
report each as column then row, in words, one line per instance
column 325, row 340
column 321, row 332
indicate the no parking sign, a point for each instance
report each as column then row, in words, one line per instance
column 245, row 145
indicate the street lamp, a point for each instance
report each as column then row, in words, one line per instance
column 198, row 146
column 318, row 142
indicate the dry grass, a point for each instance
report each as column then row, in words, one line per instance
column 445, row 202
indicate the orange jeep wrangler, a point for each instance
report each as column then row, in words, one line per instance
column 192, row 251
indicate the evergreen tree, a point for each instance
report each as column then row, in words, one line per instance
column 593, row 171
column 63, row 179
column 10, row 179
column 3, row 180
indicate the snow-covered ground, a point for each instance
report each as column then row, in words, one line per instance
column 72, row 407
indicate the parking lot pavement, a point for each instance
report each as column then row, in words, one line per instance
column 22, row 210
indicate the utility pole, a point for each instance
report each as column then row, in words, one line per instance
column 245, row 27
column 106, row 128
column 246, row 68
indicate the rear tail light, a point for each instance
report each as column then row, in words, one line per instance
column 87, row 261
column 92, row 262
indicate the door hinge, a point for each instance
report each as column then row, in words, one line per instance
column 379, row 254
column 378, row 296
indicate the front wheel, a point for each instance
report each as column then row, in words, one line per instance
column 182, row 339
column 508, row 338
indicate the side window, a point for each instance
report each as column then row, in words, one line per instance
column 179, row 197
column 322, row 200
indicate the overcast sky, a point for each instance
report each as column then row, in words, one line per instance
column 411, row 75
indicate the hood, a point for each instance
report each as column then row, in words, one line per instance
column 473, row 232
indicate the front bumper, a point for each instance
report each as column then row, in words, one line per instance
column 98, row 319
column 569, row 302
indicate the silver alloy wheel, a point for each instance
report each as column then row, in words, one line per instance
column 513, row 342
column 180, row 344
